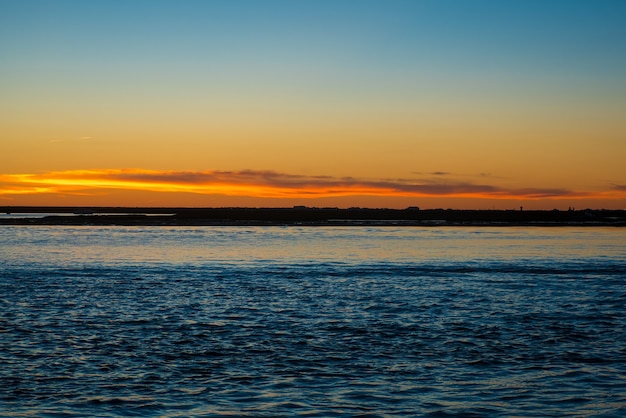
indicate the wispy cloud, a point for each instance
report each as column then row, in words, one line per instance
column 271, row 184
column 80, row 139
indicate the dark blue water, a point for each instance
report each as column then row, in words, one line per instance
column 317, row 322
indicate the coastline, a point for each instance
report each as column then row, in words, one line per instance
column 303, row 216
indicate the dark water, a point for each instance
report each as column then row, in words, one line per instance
column 316, row 322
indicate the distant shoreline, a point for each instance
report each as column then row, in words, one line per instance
column 303, row 216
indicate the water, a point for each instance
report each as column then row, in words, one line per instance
column 316, row 322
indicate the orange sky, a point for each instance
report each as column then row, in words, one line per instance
column 313, row 103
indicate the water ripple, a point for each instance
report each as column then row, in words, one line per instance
column 319, row 339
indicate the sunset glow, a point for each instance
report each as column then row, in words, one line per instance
column 385, row 104
column 265, row 184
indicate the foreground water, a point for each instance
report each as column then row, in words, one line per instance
column 271, row 321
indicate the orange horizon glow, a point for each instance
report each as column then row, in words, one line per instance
column 271, row 185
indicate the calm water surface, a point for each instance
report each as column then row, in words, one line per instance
column 317, row 322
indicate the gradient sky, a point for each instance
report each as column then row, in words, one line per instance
column 391, row 103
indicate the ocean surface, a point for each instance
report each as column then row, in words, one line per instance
column 312, row 321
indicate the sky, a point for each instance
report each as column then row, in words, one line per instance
column 458, row 104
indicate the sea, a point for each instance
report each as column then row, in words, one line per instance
column 304, row 321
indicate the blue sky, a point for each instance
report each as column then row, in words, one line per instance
column 566, row 37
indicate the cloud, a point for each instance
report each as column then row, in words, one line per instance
column 269, row 184
column 80, row 139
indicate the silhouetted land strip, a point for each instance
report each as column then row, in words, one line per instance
column 307, row 216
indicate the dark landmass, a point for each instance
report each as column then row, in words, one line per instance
column 123, row 216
